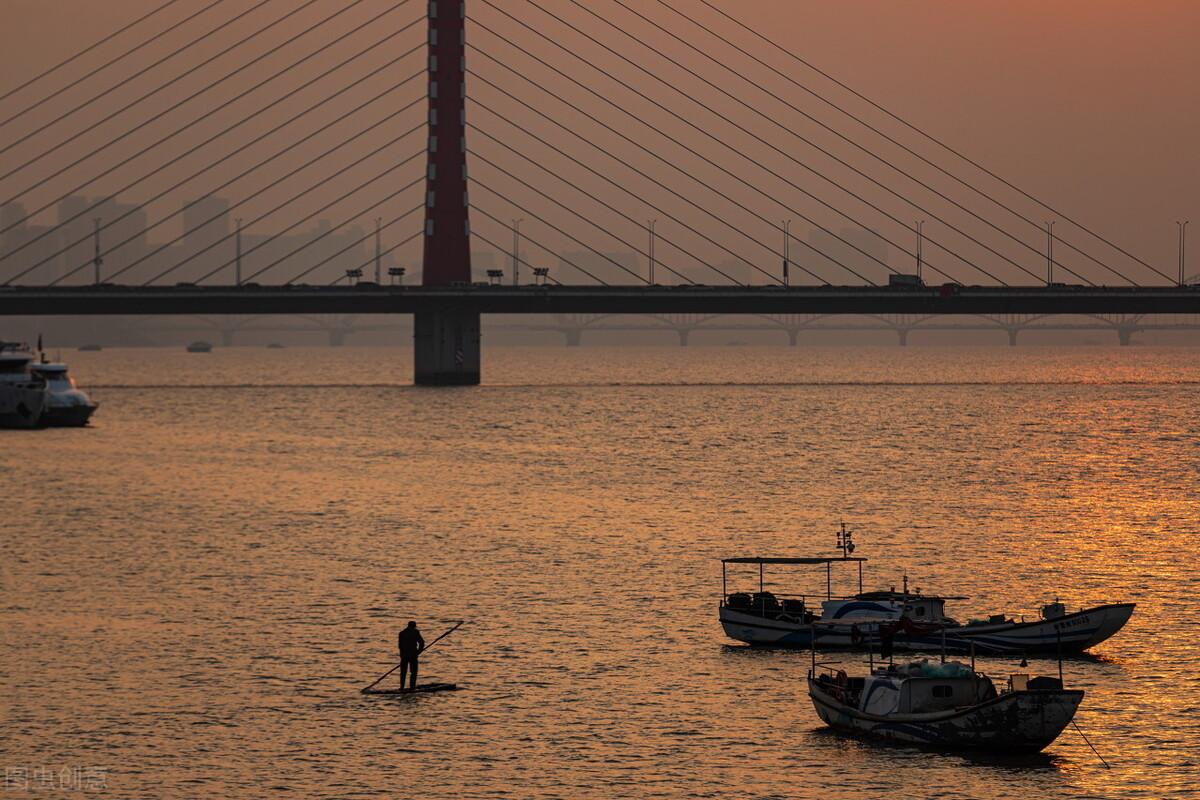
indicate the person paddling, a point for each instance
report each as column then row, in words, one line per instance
column 411, row 644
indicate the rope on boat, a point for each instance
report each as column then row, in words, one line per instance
column 1089, row 744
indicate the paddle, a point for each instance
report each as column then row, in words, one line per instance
column 457, row 625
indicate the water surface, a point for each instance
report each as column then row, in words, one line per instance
column 193, row 590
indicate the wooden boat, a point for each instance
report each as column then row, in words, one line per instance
column 427, row 687
column 944, row 706
column 910, row 619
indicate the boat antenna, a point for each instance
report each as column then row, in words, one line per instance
column 845, row 541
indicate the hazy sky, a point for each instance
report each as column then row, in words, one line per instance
column 1092, row 105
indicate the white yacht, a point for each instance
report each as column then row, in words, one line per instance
column 23, row 394
column 68, row 406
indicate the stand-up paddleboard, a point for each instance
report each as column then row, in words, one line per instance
column 429, row 687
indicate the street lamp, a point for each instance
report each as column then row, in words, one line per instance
column 787, row 250
column 541, row 275
column 1182, row 250
column 653, row 222
column 516, row 251
column 396, row 273
column 97, row 259
column 920, row 246
column 495, row 276
column 1049, row 253
column 352, row 275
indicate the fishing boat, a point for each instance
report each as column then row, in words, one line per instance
column 944, row 705
column 912, row 620
column 200, row 346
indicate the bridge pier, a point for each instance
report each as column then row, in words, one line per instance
column 1012, row 337
column 903, row 333
column 337, row 337
column 446, row 345
column 793, row 337
column 1125, row 336
column 684, row 333
column 227, row 337
column 574, row 336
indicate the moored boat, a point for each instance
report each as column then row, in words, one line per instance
column 67, row 406
column 909, row 620
column 946, row 706
column 23, row 395
column 200, row 347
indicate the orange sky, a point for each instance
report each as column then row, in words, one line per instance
column 1092, row 104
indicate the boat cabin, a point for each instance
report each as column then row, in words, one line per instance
column 790, row 607
column 55, row 375
column 920, row 687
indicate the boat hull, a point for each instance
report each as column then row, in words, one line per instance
column 22, row 406
column 67, row 416
column 1070, row 633
column 1016, row 722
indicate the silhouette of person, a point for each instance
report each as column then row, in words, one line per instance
column 411, row 644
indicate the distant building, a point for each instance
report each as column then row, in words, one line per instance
column 860, row 250
column 35, row 243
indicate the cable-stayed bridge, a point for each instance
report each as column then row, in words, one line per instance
column 674, row 131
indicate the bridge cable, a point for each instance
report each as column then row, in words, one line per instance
column 725, row 144
column 190, row 151
column 306, row 138
column 613, row 183
column 244, row 200
column 575, row 239
column 921, row 132
column 320, row 210
column 81, row 53
column 125, row 82
column 650, row 178
column 349, row 5
column 674, row 166
column 597, row 225
column 560, row 256
column 834, row 156
column 696, row 153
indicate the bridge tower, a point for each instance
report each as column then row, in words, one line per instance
column 446, row 339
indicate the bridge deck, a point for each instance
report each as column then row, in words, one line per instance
column 374, row 299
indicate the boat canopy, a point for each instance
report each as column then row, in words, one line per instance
column 756, row 560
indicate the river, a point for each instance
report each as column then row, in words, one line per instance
column 193, row 589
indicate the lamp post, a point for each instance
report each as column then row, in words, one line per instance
column 379, row 250
column 653, row 222
column 97, row 260
column 1182, row 250
column 237, row 260
column 396, row 273
column 920, row 247
column 1049, row 253
column 516, row 251
column 787, row 250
